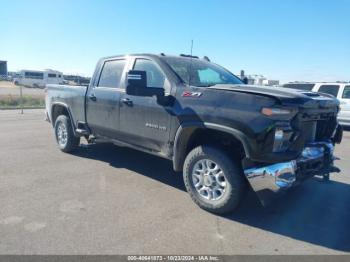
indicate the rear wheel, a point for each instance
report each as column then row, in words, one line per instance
column 65, row 137
column 213, row 180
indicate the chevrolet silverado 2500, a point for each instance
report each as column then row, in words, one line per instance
column 221, row 133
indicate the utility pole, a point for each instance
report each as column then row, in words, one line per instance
column 21, row 98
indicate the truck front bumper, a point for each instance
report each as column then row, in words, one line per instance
column 316, row 159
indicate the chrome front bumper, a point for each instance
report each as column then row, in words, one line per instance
column 316, row 158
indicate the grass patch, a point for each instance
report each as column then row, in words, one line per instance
column 11, row 101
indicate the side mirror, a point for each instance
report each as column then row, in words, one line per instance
column 137, row 85
column 245, row 80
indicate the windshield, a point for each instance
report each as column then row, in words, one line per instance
column 200, row 73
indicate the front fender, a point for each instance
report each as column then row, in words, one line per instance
column 185, row 131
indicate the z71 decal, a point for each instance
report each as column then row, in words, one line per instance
column 191, row 94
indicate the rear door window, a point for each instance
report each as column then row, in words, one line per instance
column 346, row 92
column 329, row 89
column 111, row 74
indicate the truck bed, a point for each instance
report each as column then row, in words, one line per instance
column 71, row 96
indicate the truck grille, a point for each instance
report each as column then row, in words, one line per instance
column 317, row 127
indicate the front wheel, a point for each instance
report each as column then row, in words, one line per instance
column 213, row 180
column 65, row 137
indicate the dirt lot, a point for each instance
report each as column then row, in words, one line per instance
column 8, row 88
column 109, row 200
column 10, row 96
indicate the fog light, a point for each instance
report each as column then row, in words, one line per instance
column 279, row 134
column 281, row 142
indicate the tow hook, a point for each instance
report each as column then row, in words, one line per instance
column 91, row 139
column 331, row 169
column 326, row 177
column 334, row 169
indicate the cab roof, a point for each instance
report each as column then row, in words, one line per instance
column 156, row 56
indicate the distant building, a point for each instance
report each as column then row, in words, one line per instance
column 269, row 82
column 3, row 68
column 256, row 79
column 259, row 80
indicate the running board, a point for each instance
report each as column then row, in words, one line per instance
column 81, row 131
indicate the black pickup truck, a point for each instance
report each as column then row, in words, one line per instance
column 219, row 131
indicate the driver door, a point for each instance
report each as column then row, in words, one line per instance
column 143, row 122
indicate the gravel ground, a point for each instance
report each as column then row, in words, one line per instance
column 109, row 200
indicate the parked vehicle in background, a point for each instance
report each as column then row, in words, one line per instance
column 220, row 132
column 300, row 86
column 338, row 90
column 39, row 79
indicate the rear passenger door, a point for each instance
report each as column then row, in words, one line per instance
column 102, row 102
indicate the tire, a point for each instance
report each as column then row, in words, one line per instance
column 66, row 140
column 234, row 188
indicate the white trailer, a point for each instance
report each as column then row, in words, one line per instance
column 39, row 79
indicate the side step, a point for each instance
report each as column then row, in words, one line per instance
column 82, row 132
column 82, row 129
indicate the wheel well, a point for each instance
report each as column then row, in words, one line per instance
column 202, row 136
column 58, row 110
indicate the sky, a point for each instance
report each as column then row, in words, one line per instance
column 289, row 40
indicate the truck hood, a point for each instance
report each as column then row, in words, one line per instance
column 285, row 96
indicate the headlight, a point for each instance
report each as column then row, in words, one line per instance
column 282, row 140
column 280, row 113
column 275, row 111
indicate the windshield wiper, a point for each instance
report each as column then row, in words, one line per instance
column 207, row 85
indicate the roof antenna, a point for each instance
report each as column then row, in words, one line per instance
column 190, row 71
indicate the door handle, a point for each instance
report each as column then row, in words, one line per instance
column 127, row 101
column 92, row 97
